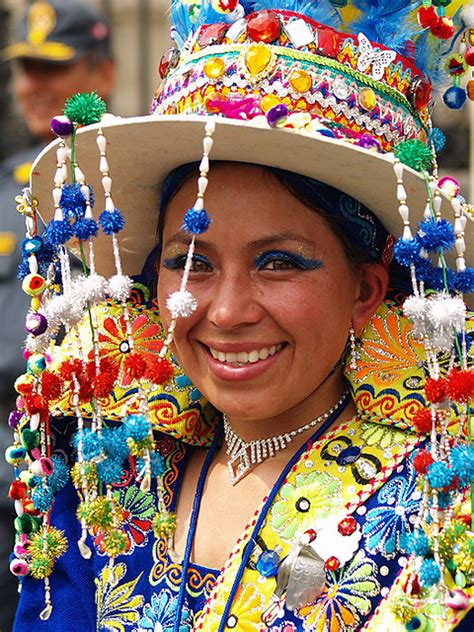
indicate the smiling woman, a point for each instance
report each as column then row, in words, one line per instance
column 261, row 438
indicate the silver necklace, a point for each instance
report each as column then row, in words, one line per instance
column 244, row 456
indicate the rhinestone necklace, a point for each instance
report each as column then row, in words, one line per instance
column 244, row 456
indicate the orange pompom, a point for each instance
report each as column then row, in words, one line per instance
column 135, row 366
column 423, row 421
column 460, row 385
column 159, row 370
column 435, row 390
column 51, row 386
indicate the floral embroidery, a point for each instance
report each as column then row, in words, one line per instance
column 117, row 608
column 311, row 497
column 387, row 525
column 160, row 614
column 245, row 614
column 345, row 599
column 381, row 436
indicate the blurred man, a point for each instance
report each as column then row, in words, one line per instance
column 61, row 47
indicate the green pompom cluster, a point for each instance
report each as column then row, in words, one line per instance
column 414, row 154
column 85, row 108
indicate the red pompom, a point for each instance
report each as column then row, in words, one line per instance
column 435, row 390
column 460, row 385
column 17, row 490
column 427, row 16
column 35, row 404
column 423, row 421
column 443, row 28
column 421, row 461
column 103, row 384
column 69, row 368
column 135, row 366
column 106, row 365
column 85, row 388
column 51, row 386
column 159, row 370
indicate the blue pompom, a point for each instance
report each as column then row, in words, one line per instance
column 418, row 543
column 444, row 499
column 462, row 462
column 137, row 427
column 435, row 235
column 429, row 573
column 111, row 221
column 435, row 279
column 114, row 443
column 438, row 139
column 60, row 475
column 42, row 498
column 157, row 464
column 406, row 251
column 464, row 281
column 196, row 222
column 423, row 268
column 439, row 475
column 455, row 97
column 58, row 232
column 90, row 443
column 85, row 228
column 23, row 270
column 109, row 471
column 73, row 203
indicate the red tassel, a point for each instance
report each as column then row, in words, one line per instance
column 85, row 388
column 435, row 390
column 159, row 370
column 51, row 386
column 103, row 384
column 135, row 366
column 460, row 385
column 69, row 368
column 423, row 421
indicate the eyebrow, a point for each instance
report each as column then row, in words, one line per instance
column 183, row 239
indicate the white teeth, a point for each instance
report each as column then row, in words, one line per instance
column 245, row 358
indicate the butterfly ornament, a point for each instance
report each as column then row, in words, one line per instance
column 378, row 59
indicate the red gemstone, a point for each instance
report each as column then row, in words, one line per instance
column 443, row 28
column 169, row 60
column 213, row 34
column 427, row 16
column 347, row 526
column 263, row 26
column 420, row 92
column 332, row 563
column 469, row 56
column 311, row 534
column 327, row 42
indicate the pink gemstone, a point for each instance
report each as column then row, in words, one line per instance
column 332, row 563
column 347, row 526
column 469, row 56
column 263, row 26
column 213, row 34
column 169, row 60
column 420, row 92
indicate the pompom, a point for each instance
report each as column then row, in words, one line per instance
column 119, row 287
column 114, row 443
column 464, row 281
column 85, row 228
column 86, row 390
column 60, row 475
column 58, row 232
column 421, row 461
column 447, row 312
column 414, row 154
column 157, row 464
column 437, row 279
column 42, row 498
column 196, row 221
column 85, row 108
column 73, row 202
column 88, row 442
column 436, row 235
column 439, row 475
column 138, row 428
column 90, row 289
column 135, row 366
column 444, row 499
column 52, row 543
column 406, row 251
column 159, row 370
column 460, row 385
column 429, row 573
column 62, row 126
column 111, row 221
column 69, row 368
column 181, row 303
column 422, row 421
column 114, row 543
column 51, row 386
column 435, row 390
column 462, row 462
column 35, row 404
column 41, row 567
column 418, row 543
column 103, row 384
column 109, row 471
column 438, row 139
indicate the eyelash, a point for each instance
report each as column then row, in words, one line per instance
column 292, row 260
column 178, row 263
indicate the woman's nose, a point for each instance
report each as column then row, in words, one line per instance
column 234, row 303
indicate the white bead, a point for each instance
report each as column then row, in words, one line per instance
column 61, row 155
column 437, row 201
column 35, row 421
column 404, row 212
column 427, row 212
column 433, row 185
column 458, row 227
column 398, row 169
column 109, row 204
column 407, row 234
column 210, row 126
column 30, row 225
column 80, row 177
column 107, row 183
column 207, row 144
column 401, row 193
column 456, row 204
column 64, row 170
column 33, row 264
column 86, row 192
column 460, row 264
column 58, row 214
column 460, row 245
column 198, row 204
column 462, row 48
column 463, row 220
column 202, row 184
column 101, row 142
column 57, row 193
column 204, row 166
column 88, row 213
column 19, row 508
column 103, row 165
column 59, row 177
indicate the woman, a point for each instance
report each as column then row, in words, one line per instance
column 304, row 497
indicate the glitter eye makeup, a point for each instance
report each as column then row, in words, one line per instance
column 177, row 262
column 284, row 260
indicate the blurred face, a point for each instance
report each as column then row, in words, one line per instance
column 41, row 88
column 275, row 296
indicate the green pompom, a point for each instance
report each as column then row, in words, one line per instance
column 85, row 108
column 30, row 439
column 414, row 154
column 25, row 524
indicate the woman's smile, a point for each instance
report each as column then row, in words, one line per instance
column 242, row 361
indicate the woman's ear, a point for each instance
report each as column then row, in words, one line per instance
column 372, row 290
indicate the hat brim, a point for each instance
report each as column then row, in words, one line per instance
column 141, row 151
column 46, row 51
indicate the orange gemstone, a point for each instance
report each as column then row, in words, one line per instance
column 268, row 102
column 368, row 100
column 470, row 89
column 257, row 59
column 263, row 26
column 300, row 81
column 214, row 68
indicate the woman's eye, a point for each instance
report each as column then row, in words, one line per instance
column 278, row 264
column 199, row 263
column 285, row 261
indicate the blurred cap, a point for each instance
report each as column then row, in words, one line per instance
column 59, row 31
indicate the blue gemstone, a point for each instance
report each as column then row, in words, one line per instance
column 348, row 455
column 267, row 563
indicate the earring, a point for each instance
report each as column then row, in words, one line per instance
column 352, row 337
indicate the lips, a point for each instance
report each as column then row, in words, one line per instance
column 245, row 357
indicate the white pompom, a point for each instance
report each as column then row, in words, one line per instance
column 467, row 16
column 415, row 308
column 181, row 303
column 119, row 287
column 448, row 313
column 91, row 289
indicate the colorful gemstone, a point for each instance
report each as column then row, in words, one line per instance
column 214, row 68
column 213, row 34
column 340, row 88
column 368, row 100
column 267, row 563
column 310, row 535
column 257, row 59
column 327, row 42
column 299, row 33
column 211, row 100
column 277, row 115
column 469, row 56
column 301, row 81
column 420, row 92
column 269, row 101
column 168, row 61
column 347, row 526
column 263, row 26
column 470, row 89
column 224, row 6
column 332, row 563
column 348, row 455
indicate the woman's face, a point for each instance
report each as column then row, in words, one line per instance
column 275, row 294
